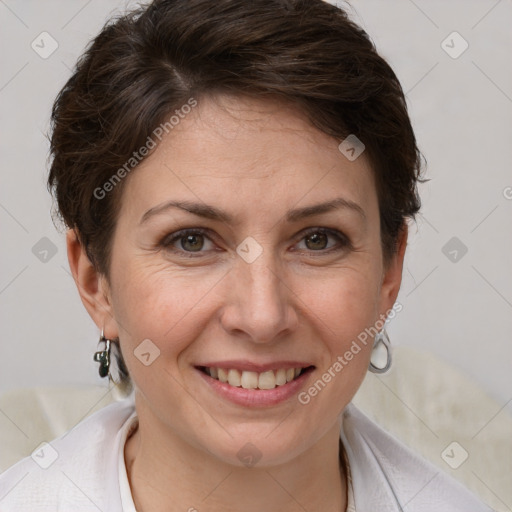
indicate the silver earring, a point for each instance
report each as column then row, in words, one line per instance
column 103, row 356
column 381, row 339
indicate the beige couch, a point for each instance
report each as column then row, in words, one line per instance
column 426, row 403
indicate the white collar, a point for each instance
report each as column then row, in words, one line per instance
column 127, row 429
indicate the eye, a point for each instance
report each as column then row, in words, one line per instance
column 187, row 240
column 190, row 241
column 317, row 240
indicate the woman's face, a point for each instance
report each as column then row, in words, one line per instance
column 271, row 283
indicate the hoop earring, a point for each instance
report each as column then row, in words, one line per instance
column 103, row 357
column 380, row 338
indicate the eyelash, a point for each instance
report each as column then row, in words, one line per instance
column 343, row 242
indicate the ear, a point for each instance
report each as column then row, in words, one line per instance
column 92, row 286
column 392, row 277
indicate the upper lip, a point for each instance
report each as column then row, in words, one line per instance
column 251, row 366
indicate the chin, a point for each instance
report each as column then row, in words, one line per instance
column 253, row 449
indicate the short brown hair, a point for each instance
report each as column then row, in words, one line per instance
column 145, row 64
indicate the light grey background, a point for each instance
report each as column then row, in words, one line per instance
column 461, row 109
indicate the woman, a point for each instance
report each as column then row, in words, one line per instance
column 237, row 178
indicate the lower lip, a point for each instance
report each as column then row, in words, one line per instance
column 256, row 397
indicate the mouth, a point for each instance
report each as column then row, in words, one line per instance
column 266, row 380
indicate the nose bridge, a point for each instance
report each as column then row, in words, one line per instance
column 264, row 285
column 259, row 300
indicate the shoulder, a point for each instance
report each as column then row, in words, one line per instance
column 388, row 476
column 77, row 469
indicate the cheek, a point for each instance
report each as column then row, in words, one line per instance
column 155, row 302
column 341, row 310
column 346, row 303
column 344, row 309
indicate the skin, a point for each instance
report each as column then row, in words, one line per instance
column 300, row 300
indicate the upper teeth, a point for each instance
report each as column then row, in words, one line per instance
column 252, row 380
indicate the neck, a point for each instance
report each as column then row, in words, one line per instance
column 164, row 469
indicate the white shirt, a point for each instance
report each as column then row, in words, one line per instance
column 84, row 471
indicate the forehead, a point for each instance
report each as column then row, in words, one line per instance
column 244, row 155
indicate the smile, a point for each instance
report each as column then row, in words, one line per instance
column 269, row 379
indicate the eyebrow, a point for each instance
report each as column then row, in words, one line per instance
column 213, row 213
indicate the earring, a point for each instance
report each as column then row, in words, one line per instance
column 381, row 339
column 103, row 357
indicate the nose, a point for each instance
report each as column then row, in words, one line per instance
column 259, row 301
